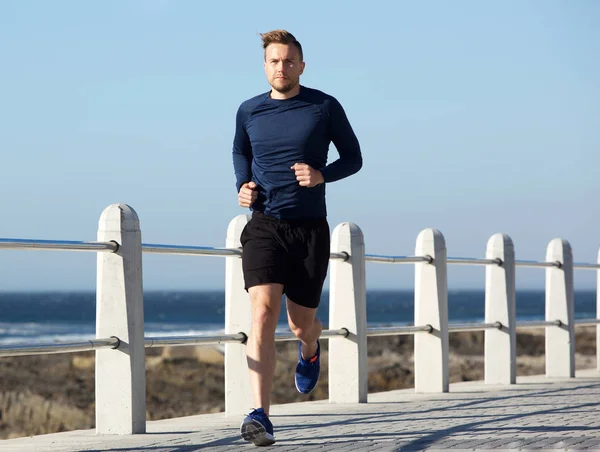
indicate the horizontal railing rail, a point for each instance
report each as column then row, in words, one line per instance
column 385, row 259
column 463, row 327
column 470, row 261
column 540, row 264
column 174, row 341
column 343, row 256
column 237, row 337
column 398, row 330
column 149, row 248
column 70, row 347
column 280, row 336
column 584, row 266
column 538, row 323
column 587, row 322
column 153, row 248
column 397, row 259
column 57, row 245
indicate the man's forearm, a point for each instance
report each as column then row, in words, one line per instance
column 242, row 169
column 341, row 168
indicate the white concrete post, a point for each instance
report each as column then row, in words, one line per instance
column 500, row 345
column 598, row 315
column 121, row 373
column 238, row 319
column 560, row 340
column 348, row 367
column 431, row 308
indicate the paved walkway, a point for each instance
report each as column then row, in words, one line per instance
column 536, row 413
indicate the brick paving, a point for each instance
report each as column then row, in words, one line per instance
column 535, row 414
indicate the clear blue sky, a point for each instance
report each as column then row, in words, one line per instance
column 474, row 118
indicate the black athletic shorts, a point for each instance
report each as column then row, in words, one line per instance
column 294, row 253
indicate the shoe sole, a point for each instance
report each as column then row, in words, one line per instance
column 255, row 432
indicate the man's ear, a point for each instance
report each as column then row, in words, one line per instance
column 302, row 65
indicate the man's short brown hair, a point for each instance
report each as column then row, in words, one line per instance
column 281, row 37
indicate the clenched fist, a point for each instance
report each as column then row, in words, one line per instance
column 247, row 194
column 307, row 176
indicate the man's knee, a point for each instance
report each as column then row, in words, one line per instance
column 302, row 327
column 266, row 304
column 298, row 330
column 265, row 316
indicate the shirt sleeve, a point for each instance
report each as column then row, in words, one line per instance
column 346, row 143
column 242, row 150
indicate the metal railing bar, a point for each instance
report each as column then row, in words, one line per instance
column 152, row 248
column 538, row 323
column 339, row 256
column 587, row 322
column 67, row 347
column 398, row 330
column 282, row 336
column 383, row 331
column 525, row 263
column 334, row 333
column 469, row 261
column 114, row 342
column 397, row 259
column 175, row 341
column 460, row 327
column 57, row 245
column 585, row 266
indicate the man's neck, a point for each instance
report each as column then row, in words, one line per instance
column 282, row 96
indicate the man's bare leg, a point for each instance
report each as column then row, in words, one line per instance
column 260, row 349
column 305, row 325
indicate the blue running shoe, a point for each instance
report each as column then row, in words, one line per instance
column 257, row 428
column 308, row 370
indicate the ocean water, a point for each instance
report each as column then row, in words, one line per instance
column 49, row 317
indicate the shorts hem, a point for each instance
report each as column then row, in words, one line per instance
column 305, row 305
column 257, row 280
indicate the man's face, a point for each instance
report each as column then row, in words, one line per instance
column 283, row 67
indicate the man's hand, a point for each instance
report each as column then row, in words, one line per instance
column 247, row 194
column 307, row 176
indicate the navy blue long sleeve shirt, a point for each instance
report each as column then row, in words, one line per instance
column 271, row 135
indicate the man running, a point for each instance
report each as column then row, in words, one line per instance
column 280, row 152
